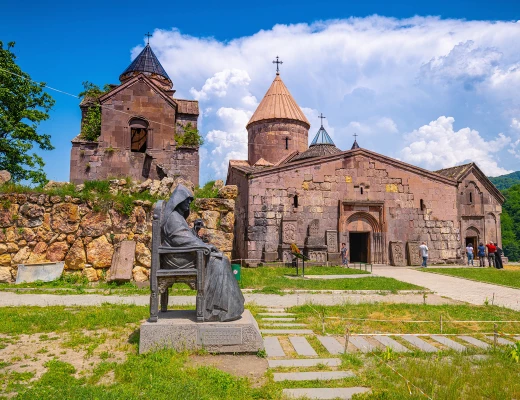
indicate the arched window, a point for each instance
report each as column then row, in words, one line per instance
column 470, row 198
column 138, row 135
column 422, row 205
column 361, row 189
column 295, row 201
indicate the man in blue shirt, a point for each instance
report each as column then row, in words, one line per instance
column 481, row 254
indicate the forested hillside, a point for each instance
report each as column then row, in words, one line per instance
column 503, row 182
column 510, row 220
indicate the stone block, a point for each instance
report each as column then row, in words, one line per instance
column 178, row 329
column 45, row 272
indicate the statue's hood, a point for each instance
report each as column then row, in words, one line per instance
column 180, row 194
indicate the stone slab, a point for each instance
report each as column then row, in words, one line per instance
column 302, row 346
column 279, row 319
column 517, row 338
column 273, row 348
column 122, row 261
column 393, row 344
column 420, row 344
column 284, row 324
column 179, row 330
column 501, row 341
column 362, row 344
column 475, row 342
column 449, row 343
column 288, row 331
column 45, row 272
column 312, row 376
column 276, row 314
column 304, row 362
column 332, row 345
column 324, row 393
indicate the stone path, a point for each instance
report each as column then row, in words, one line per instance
column 325, row 393
column 455, row 288
column 263, row 300
column 352, row 276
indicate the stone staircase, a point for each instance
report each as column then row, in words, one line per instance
column 288, row 344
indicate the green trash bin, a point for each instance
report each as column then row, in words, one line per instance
column 236, row 271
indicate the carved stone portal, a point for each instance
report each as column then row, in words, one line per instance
column 412, row 252
column 397, row 254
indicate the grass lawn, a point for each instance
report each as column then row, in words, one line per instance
column 276, row 279
column 263, row 279
column 92, row 353
column 312, row 316
column 508, row 276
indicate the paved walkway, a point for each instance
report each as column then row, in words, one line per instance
column 454, row 288
column 266, row 300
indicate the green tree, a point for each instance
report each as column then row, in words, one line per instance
column 91, row 128
column 23, row 105
column 510, row 221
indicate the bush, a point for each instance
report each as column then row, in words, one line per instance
column 189, row 137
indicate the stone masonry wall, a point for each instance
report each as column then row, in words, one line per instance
column 37, row 228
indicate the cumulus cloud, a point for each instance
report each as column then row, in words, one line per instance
column 437, row 145
column 378, row 77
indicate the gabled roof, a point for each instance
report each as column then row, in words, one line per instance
column 455, row 172
column 147, row 62
column 278, row 104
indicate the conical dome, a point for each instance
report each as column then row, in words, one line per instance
column 278, row 104
column 146, row 62
column 322, row 145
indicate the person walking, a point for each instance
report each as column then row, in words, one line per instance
column 498, row 257
column 491, row 249
column 423, row 252
column 481, row 254
column 469, row 253
column 344, row 252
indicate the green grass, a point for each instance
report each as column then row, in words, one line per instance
column 489, row 275
column 312, row 315
column 275, row 279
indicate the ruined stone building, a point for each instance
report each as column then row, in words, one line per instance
column 139, row 120
column 319, row 196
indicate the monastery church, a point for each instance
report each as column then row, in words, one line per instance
column 319, row 196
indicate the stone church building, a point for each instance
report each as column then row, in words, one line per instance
column 139, row 120
column 319, row 196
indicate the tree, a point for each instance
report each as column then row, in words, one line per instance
column 91, row 128
column 510, row 221
column 23, row 105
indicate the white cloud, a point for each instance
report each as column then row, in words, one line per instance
column 375, row 76
column 515, row 124
column 437, row 145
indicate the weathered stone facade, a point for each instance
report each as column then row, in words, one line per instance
column 378, row 206
column 139, row 121
column 37, row 228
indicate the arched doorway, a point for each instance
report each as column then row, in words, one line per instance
column 472, row 235
column 365, row 241
column 138, row 135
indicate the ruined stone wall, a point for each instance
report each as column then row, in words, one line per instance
column 37, row 228
column 267, row 139
column 322, row 188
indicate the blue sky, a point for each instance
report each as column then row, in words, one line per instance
column 408, row 85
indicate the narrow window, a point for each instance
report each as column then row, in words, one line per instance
column 295, row 201
column 361, row 189
column 470, row 198
column 286, row 143
column 422, row 205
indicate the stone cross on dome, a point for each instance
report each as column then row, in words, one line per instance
column 149, row 36
column 322, row 118
column 277, row 62
column 355, row 145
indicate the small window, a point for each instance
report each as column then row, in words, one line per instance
column 295, row 201
column 470, row 198
column 287, row 143
column 361, row 190
column 422, row 205
column 139, row 135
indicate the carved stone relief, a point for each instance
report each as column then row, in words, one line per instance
column 412, row 252
column 318, row 256
column 314, row 227
column 332, row 241
column 397, row 254
column 289, row 232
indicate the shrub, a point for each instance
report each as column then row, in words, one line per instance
column 189, row 137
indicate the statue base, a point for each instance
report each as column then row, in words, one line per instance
column 178, row 329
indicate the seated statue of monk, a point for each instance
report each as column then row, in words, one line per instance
column 223, row 299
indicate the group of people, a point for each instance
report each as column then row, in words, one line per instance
column 494, row 255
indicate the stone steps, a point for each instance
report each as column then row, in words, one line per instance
column 287, row 331
column 500, row 341
column 312, row 376
column 302, row 346
column 278, row 319
column 286, row 324
column 324, row 393
column 304, row 362
column 276, row 314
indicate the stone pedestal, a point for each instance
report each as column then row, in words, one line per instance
column 334, row 258
column 178, row 329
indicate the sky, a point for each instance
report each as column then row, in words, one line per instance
column 434, row 84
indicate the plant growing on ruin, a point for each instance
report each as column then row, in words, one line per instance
column 91, row 127
column 190, row 136
column 110, row 150
column 23, row 105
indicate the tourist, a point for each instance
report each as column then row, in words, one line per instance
column 482, row 254
column 423, row 251
column 491, row 249
column 344, row 252
column 469, row 253
column 498, row 257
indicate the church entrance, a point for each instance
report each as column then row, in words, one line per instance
column 359, row 243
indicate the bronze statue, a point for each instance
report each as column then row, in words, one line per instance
column 223, row 299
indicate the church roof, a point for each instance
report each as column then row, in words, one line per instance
column 278, row 103
column 455, row 172
column 146, row 61
column 355, row 145
column 321, row 145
